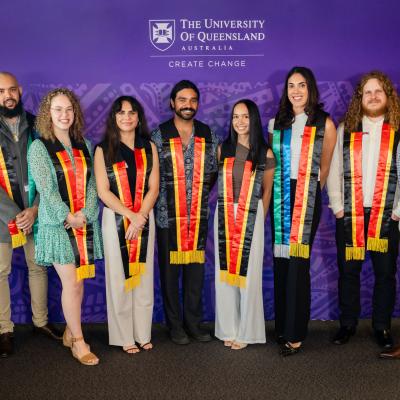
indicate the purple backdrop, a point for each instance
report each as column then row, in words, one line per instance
column 234, row 50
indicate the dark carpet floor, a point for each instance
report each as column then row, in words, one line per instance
column 44, row 369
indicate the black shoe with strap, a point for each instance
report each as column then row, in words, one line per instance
column 384, row 338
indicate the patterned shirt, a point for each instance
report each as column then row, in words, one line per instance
column 161, row 207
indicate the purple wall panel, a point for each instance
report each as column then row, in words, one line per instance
column 102, row 50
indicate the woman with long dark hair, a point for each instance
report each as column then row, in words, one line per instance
column 127, row 176
column 246, row 169
column 303, row 138
column 68, row 233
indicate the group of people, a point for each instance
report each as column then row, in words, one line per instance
column 155, row 186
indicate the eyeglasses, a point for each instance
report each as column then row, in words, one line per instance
column 60, row 110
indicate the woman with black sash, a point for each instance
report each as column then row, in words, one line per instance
column 127, row 176
column 68, row 234
column 246, row 170
column 303, row 138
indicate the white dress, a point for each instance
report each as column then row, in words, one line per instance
column 239, row 312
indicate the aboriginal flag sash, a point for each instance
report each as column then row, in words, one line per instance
column 384, row 192
column 187, row 222
column 9, row 183
column 235, row 233
column 133, row 252
column 292, row 232
column 72, row 179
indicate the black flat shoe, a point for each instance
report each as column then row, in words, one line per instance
column 384, row 338
column 343, row 335
column 288, row 350
column 6, row 344
column 49, row 330
column 179, row 337
column 279, row 339
column 200, row 335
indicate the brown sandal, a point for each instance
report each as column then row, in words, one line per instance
column 86, row 359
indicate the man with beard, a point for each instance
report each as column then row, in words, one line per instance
column 363, row 194
column 188, row 167
column 18, row 212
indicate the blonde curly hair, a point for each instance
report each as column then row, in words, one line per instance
column 44, row 124
column 355, row 112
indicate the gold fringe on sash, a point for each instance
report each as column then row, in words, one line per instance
column 137, row 268
column 378, row 244
column 187, row 257
column 18, row 239
column 299, row 250
column 232, row 279
column 355, row 253
column 85, row 271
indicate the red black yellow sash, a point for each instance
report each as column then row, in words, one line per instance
column 306, row 188
column 235, row 233
column 187, row 220
column 385, row 188
column 9, row 183
column 73, row 178
column 131, row 192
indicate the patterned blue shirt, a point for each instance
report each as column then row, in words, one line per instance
column 161, row 207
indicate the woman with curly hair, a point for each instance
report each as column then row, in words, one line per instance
column 363, row 195
column 127, row 176
column 303, row 138
column 68, row 232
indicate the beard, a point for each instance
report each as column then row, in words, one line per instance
column 377, row 112
column 12, row 112
column 180, row 114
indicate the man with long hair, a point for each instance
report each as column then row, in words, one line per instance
column 187, row 153
column 18, row 211
column 363, row 194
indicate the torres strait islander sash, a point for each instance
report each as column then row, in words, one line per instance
column 133, row 252
column 187, row 228
column 72, row 184
column 385, row 188
column 235, row 234
column 292, row 232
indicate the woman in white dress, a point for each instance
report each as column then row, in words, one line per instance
column 246, row 170
column 127, row 177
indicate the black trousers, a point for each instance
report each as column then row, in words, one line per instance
column 384, row 265
column 192, row 286
column 292, row 284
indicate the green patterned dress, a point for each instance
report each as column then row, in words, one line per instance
column 52, row 242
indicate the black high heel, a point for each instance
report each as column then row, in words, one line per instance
column 288, row 350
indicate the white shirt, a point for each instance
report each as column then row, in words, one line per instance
column 371, row 143
column 295, row 141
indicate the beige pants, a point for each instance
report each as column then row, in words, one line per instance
column 37, row 276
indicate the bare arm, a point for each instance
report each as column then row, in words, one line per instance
column 327, row 150
column 268, row 179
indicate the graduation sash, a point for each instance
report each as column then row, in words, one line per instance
column 72, row 185
column 187, row 227
column 292, row 232
column 9, row 183
column 133, row 252
column 235, row 234
column 385, row 188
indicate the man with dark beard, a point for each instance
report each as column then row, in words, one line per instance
column 363, row 194
column 18, row 212
column 188, row 167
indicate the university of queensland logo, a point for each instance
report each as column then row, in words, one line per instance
column 162, row 33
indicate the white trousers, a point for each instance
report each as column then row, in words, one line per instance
column 130, row 313
column 239, row 312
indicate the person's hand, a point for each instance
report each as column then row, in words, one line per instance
column 132, row 232
column 137, row 219
column 395, row 217
column 26, row 218
column 75, row 221
column 340, row 214
column 27, row 231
